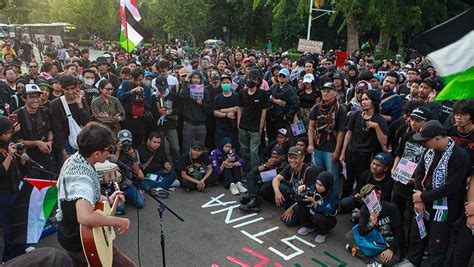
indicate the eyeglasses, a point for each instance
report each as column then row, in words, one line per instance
column 109, row 149
column 282, row 76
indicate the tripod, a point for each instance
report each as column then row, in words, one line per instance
column 161, row 208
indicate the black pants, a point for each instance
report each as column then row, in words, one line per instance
column 273, row 127
column 403, row 204
column 232, row 175
column 437, row 239
column 319, row 222
column 136, row 127
column 461, row 244
column 253, row 182
column 356, row 163
column 190, row 185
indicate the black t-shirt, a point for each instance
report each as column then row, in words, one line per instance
column 221, row 102
column 186, row 163
column 364, row 139
column 252, row 106
column 68, row 229
column 327, row 141
column 388, row 219
column 307, row 175
column 386, row 184
column 465, row 141
column 308, row 100
column 156, row 163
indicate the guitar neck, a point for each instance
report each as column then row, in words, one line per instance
column 116, row 200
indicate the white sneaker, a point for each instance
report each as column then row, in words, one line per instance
column 241, row 188
column 405, row 263
column 176, row 183
column 305, row 230
column 233, row 189
column 320, row 239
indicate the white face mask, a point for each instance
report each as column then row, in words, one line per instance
column 89, row 82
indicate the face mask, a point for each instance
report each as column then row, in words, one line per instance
column 226, row 87
column 251, row 84
column 89, row 82
column 147, row 83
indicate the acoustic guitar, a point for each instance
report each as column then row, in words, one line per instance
column 97, row 242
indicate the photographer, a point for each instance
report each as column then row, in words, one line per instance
column 317, row 208
column 36, row 131
column 9, row 185
column 127, row 155
column 276, row 162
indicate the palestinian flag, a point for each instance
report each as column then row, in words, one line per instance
column 132, row 32
column 33, row 206
column 449, row 47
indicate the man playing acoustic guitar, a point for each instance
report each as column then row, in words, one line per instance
column 79, row 192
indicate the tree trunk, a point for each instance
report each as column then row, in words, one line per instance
column 352, row 34
column 384, row 41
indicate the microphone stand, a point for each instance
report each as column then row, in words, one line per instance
column 45, row 171
column 161, row 207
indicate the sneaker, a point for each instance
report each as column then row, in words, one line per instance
column 320, row 239
column 176, row 183
column 405, row 263
column 251, row 206
column 159, row 192
column 305, row 230
column 233, row 189
column 29, row 249
column 244, row 200
column 241, row 188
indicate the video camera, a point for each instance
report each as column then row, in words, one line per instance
column 126, row 145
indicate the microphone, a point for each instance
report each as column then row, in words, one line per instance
column 114, row 159
column 26, row 157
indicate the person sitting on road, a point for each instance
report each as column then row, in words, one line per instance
column 317, row 207
column 255, row 183
column 196, row 169
column 228, row 165
column 282, row 140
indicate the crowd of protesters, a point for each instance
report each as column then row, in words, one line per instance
column 313, row 138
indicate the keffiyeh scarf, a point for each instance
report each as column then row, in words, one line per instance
column 326, row 120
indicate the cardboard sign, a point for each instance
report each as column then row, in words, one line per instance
column 310, row 46
column 341, row 57
column 298, row 128
column 196, row 91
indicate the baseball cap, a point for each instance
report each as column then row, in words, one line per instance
column 294, row 150
column 366, row 189
column 245, row 60
column 337, row 75
column 197, row 145
column 421, row 113
column 283, row 131
column 429, row 130
column 124, row 135
column 215, row 78
column 255, row 74
column 31, row 89
column 329, row 85
column 384, row 158
column 378, row 77
column 161, row 82
column 308, row 78
column 431, row 83
column 278, row 150
column 284, row 71
column 149, row 74
column 43, row 83
column 363, row 85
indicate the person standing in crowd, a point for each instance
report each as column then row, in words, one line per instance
column 253, row 105
column 427, row 93
column 308, row 96
column 284, row 104
column 327, row 123
column 136, row 101
column 33, row 75
column 194, row 112
column 386, row 223
column 226, row 105
column 106, row 108
column 77, row 107
column 89, row 85
column 355, row 104
column 80, row 192
column 366, row 135
column 391, row 104
column 440, row 179
column 103, row 66
column 317, row 212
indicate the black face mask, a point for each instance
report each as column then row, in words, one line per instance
column 251, row 84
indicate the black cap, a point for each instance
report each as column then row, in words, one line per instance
column 5, row 124
column 430, row 130
column 102, row 60
column 197, row 145
column 421, row 113
column 278, row 150
column 337, row 75
column 215, row 78
column 161, row 82
column 329, row 85
column 431, row 83
column 255, row 74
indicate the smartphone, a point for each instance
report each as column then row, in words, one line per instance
column 13, row 118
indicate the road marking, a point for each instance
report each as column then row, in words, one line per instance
column 322, row 264
column 248, row 222
column 217, row 201
column 254, row 236
column 297, row 252
column 341, row 263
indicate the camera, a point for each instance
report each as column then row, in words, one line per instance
column 126, row 145
column 20, row 147
column 309, row 193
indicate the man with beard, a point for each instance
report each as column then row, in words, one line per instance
column 327, row 123
column 427, row 94
column 391, row 104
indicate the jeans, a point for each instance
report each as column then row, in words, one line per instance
column 133, row 194
column 324, row 159
column 164, row 181
column 172, row 143
column 9, row 250
column 249, row 143
column 192, row 134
